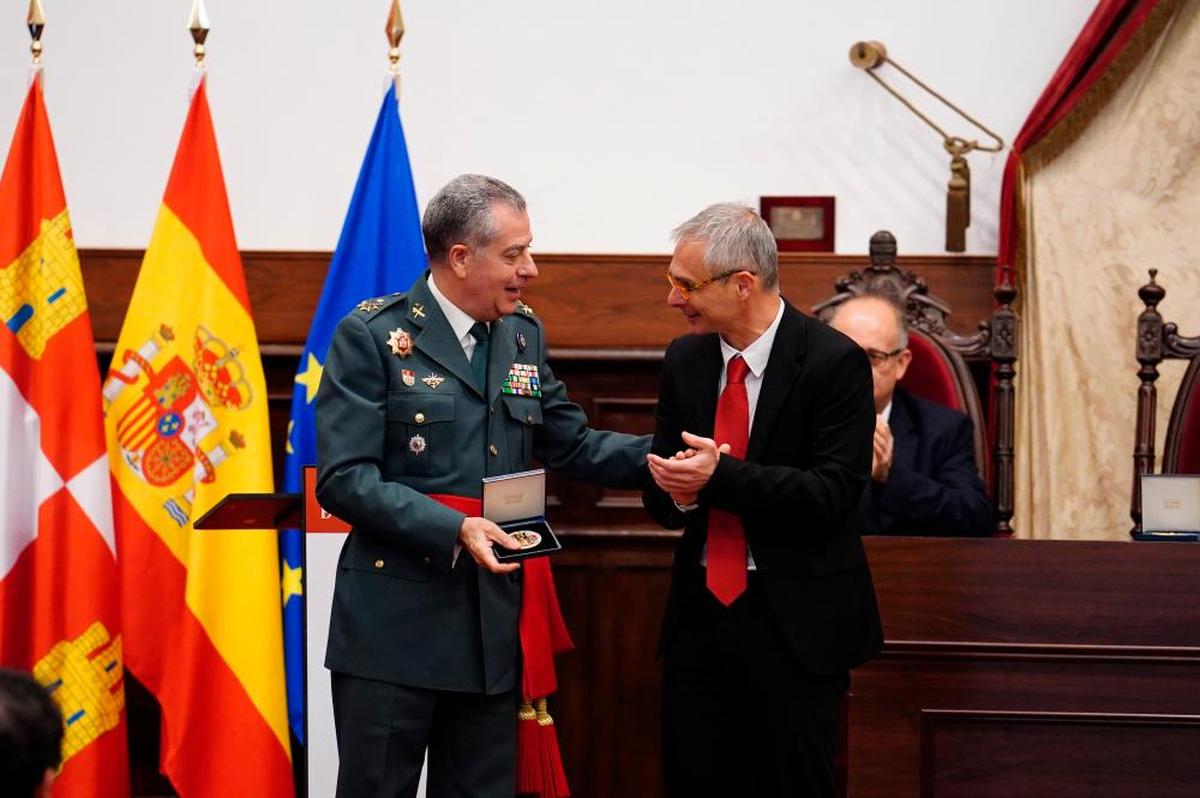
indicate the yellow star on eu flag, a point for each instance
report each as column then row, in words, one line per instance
column 293, row 582
column 310, row 378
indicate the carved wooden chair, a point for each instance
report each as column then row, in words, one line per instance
column 938, row 370
column 1158, row 341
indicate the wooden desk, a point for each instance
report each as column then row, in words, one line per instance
column 1057, row 668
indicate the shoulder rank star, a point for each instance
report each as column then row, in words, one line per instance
column 400, row 342
column 370, row 305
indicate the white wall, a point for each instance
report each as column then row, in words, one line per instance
column 616, row 118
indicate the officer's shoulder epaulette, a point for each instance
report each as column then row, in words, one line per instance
column 369, row 308
column 525, row 312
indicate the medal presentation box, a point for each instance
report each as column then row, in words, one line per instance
column 1170, row 507
column 517, row 504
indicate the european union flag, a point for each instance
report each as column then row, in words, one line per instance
column 380, row 251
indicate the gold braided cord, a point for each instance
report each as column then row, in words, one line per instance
column 999, row 145
column 526, row 711
column 1066, row 132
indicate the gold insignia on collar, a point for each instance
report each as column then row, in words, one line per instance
column 418, row 311
column 433, row 381
column 400, row 342
column 521, row 306
column 370, row 305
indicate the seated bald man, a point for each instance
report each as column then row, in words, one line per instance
column 923, row 475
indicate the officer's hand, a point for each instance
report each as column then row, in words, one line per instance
column 478, row 535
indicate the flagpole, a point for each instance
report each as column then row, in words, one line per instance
column 395, row 32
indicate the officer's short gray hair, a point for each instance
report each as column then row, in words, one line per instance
column 736, row 239
column 461, row 213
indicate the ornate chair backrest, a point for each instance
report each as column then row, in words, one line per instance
column 1158, row 341
column 938, row 371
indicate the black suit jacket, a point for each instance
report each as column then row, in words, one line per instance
column 933, row 487
column 797, row 492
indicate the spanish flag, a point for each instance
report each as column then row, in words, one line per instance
column 185, row 407
column 60, row 612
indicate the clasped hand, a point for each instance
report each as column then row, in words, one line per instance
column 477, row 536
column 686, row 473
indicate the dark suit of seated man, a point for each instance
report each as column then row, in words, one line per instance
column 923, row 475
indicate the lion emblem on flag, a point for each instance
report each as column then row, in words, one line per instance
column 168, row 427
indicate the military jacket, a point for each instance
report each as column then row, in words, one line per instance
column 400, row 416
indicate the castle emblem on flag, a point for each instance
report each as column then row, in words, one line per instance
column 84, row 677
column 167, row 427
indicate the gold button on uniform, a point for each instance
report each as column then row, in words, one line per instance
column 529, row 419
column 494, row 451
column 379, row 563
column 419, row 418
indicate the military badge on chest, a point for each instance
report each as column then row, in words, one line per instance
column 416, row 445
column 409, row 377
column 522, row 380
column 400, row 342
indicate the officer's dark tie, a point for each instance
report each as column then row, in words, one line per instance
column 479, row 357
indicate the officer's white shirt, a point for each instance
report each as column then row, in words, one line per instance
column 460, row 321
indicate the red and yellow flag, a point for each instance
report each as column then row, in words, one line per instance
column 185, row 408
column 60, row 611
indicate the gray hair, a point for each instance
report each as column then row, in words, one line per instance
column 736, row 238
column 461, row 213
column 891, row 302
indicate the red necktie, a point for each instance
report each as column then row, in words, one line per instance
column 726, row 538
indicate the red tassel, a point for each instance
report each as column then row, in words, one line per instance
column 553, row 776
column 529, row 747
column 539, row 762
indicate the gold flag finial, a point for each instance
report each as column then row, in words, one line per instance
column 395, row 32
column 198, row 25
column 36, row 20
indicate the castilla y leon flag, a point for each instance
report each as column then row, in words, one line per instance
column 60, row 612
column 185, row 409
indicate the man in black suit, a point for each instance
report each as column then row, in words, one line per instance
column 923, row 475
column 762, row 449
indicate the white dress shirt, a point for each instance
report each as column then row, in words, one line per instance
column 459, row 320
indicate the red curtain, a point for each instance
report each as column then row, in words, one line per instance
column 1102, row 39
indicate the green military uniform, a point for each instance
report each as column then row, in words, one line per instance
column 400, row 416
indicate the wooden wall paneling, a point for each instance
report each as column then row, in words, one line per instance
column 1052, row 754
column 586, row 301
column 607, row 707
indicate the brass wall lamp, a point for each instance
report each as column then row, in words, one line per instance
column 869, row 56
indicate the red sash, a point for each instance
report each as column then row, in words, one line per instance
column 543, row 634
